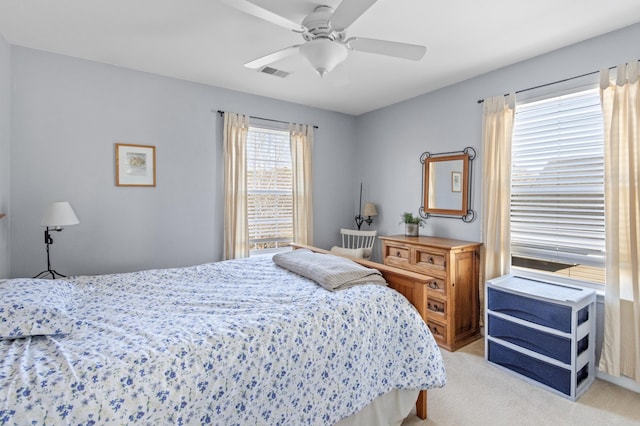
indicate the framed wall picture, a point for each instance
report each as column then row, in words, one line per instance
column 135, row 165
column 456, row 182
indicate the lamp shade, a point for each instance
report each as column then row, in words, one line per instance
column 59, row 213
column 369, row 210
column 323, row 54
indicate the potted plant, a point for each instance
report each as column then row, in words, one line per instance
column 411, row 224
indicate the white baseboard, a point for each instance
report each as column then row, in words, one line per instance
column 621, row 381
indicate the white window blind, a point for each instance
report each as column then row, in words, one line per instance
column 269, row 185
column 557, row 193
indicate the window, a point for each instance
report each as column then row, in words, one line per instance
column 557, row 186
column 269, row 190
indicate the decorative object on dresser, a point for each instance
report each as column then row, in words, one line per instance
column 451, row 296
column 446, row 184
column 57, row 215
column 411, row 224
column 543, row 332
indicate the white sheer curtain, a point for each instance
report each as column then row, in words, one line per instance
column 497, row 130
column 236, row 229
column 301, row 154
column 621, row 107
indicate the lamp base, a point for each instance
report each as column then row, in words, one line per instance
column 360, row 220
column 50, row 271
column 48, row 241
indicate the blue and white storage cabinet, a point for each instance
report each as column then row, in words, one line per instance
column 542, row 331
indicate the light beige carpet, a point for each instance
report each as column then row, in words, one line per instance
column 478, row 393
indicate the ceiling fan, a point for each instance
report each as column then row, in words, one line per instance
column 324, row 31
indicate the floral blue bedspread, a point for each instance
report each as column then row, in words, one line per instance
column 239, row 342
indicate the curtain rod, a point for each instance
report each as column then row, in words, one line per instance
column 554, row 82
column 550, row 84
column 262, row 118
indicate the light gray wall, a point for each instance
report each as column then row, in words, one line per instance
column 67, row 116
column 5, row 145
column 391, row 140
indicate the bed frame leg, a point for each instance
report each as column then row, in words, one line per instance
column 421, row 405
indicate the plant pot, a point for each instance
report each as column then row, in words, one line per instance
column 411, row 229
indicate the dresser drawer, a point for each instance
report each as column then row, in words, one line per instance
column 429, row 261
column 556, row 347
column 550, row 375
column 537, row 311
column 398, row 256
column 438, row 286
column 438, row 330
column 437, row 306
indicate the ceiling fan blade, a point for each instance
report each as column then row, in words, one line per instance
column 273, row 57
column 388, row 48
column 264, row 14
column 347, row 12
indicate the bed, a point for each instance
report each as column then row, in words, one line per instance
column 231, row 343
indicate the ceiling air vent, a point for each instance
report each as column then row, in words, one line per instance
column 274, row 71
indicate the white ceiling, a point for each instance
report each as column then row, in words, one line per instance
column 208, row 42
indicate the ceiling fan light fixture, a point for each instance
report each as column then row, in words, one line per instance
column 325, row 33
column 324, row 54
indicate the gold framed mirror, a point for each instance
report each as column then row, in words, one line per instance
column 446, row 185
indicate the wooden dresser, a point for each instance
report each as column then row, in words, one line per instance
column 452, row 300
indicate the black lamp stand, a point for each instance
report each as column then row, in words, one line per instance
column 48, row 241
column 360, row 219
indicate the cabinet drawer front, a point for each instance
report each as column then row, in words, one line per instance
column 437, row 306
column 556, row 347
column 438, row 331
column 430, row 260
column 553, row 376
column 437, row 285
column 396, row 255
column 537, row 311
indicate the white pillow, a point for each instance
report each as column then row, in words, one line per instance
column 358, row 253
column 32, row 307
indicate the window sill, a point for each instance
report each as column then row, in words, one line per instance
column 559, row 280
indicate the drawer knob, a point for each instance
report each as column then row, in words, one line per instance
column 433, row 307
column 433, row 285
column 398, row 253
column 430, row 260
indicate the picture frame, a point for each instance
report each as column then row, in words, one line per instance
column 456, row 182
column 135, row 165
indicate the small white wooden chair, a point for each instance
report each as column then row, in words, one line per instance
column 354, row 239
